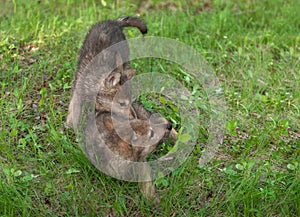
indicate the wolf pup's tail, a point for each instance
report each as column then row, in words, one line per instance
column 133, row 22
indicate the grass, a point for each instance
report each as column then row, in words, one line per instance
column 253, row 46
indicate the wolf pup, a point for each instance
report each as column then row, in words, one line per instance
column 100, row 37
column 116, row 156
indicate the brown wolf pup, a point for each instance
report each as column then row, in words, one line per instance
column 136, row 144
column 112, row 141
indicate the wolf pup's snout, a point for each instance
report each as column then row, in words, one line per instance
column 169, row 126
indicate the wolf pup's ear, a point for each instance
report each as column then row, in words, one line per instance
column 113, row 80
column 119, row 62
column 115, row 77
column 129, row 73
